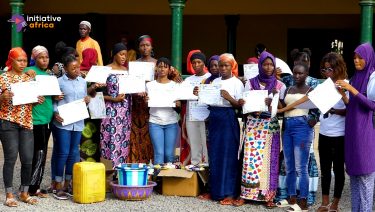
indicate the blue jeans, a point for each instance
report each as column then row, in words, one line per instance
column 65, row 152
column 163, row 138
column 297, row 140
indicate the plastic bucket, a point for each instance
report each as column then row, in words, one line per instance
column 131, row 174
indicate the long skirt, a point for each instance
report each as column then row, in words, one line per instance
column 224, row 139
column 261, row 140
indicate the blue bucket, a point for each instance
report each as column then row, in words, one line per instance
column 132, row 174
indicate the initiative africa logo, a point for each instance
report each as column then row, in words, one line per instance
column 35, row 21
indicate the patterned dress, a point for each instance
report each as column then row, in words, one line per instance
column 115, row 129
column 261, row 147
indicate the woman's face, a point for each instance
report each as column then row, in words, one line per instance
column 214, row 67
column 145, row 48
column 162, row 70
column 359, row 62
column 225, row 69
column 120, row 57
column 268, row 66
column 198, row 65
column 327, row 71
column 42, row 60
column 299, row 74
column 72, row 69
column 19, row 64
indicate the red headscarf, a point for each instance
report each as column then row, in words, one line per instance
column 14, row 53
column 89, row 58
column 189, row 66
column 229, row 57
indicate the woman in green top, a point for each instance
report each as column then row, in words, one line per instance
column 42, row 116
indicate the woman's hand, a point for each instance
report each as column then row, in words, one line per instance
column 225, row 94
column 87, row 99
column 312, row 122
column 241, row 102
column 58, row 117
column 196, row 90
column 344, row 85
column 119, row 98
column 7, row 95
column 41, row 99
column 31, row 73
column 59, row 97
column 278, row 73
column 268, row 101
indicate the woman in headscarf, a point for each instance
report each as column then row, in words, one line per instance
column 115, row 129
column 224, row 135
column 360, row 130
column 16, row 129
column 261, row 139
column 42, row 116
column 89, row 58
column 213, row 68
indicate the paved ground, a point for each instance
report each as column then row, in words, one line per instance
column 155, row 203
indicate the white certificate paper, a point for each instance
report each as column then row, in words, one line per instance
column 145, row 70
column 197, row 112
column 274, row 104
column 24, row 92
column 131, row 84
column 250, row 71
column 325, row 95
column 98, row 74
column 161, row 98
column 254, row 101
column 184, row 91
column 47, row 85
column 97, row 107
column 209, row 94
column 73, row 111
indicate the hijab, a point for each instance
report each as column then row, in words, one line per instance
column 270, row 81
column 360, row 78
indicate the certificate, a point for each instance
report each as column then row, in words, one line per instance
column 184, row 91
column 254, row 101
column 47, row 85
column 325, row 95
column 24, row 92
column 145, row 70
column 197, row 112
column 73, row 111
column 306, row 105
column 98, row 74
column 250, row 71
column 131, row 84
column 283, row 66
column 97, row 107
column 209, row 94
column 161, row 97
column 274, row 104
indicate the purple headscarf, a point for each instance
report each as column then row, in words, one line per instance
column 212, row 77
column 270, row 81
column 361, row 78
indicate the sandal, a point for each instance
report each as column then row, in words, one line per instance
column 283, row 203
column 205, row 196
column 324, row 208
column 29, row 200
column 238, row 202
column 226, row 201
column 40, row 193
column 270, row 205
column 60, row 195
column 296, row 208
column 11, row 202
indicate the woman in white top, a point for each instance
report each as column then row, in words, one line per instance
column 163, row 121
column 331, row 135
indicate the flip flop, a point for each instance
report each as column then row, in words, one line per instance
column 205, row 196
column 283, row 203
column 226, row 201
column 11, row 202
column 29, row 200
column 238, row 202
column 324, row 208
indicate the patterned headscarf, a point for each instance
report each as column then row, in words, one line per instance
column 230, row 58
column 270, row 81
column 14, row 53
column 89, row 58
column 35, row 52
column 146, row 38
column 360, row 78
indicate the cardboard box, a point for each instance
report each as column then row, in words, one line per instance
column 177, row 182
column 108, row 173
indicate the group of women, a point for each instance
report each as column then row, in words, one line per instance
column 240, row 168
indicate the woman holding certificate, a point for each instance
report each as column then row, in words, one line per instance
column 67, row 137
column 163, row 123
column 261, row 138
column 360, row 130
column 42, row 116
column 115, row 129
column 224, row 134
column 16, row 129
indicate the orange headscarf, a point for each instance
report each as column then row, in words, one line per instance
column 229, row 57
column 189, row 66
column 14, row 53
